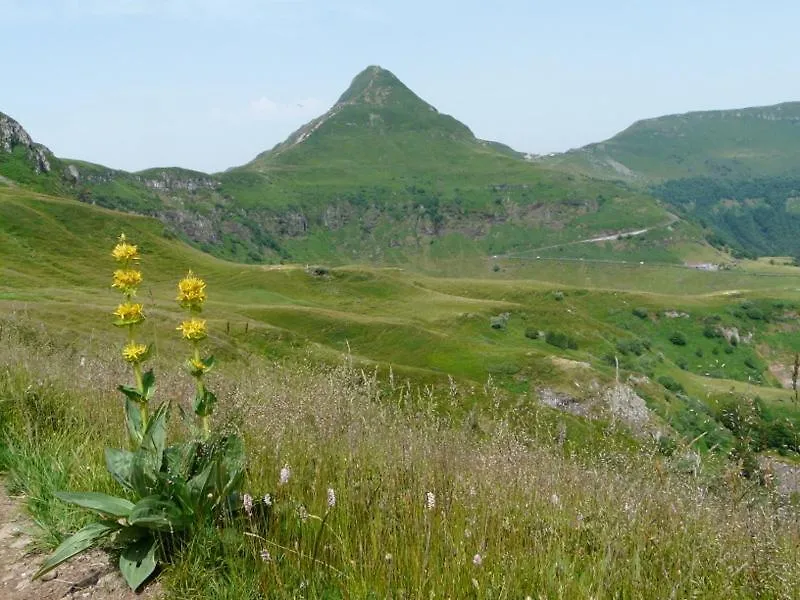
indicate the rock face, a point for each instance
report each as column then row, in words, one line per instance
column 13, row 135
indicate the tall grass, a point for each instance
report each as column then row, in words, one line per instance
column 485, row 504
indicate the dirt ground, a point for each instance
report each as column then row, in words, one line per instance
column 88, row 576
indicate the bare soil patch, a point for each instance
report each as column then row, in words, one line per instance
column 90, row 576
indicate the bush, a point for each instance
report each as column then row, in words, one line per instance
column 636, row 347
column 558, row 296
column 561, row 340
column 532, row 333
column 678, row 338
column 671, row 384
column 755, row 313
column 640, row 312
column 711, row 332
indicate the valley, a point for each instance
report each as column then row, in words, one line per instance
column 595, row 350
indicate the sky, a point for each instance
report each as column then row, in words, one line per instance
column 209, row 84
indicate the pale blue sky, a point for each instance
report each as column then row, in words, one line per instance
column 208, row 84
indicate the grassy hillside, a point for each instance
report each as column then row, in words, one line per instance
column 476, row 435
column 740, row 143
column 382, row 177
column 525, row 323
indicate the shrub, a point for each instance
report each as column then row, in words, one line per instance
column 755, row 313
column 558, row 296
column 640, row 312
column 711, row 332
column 678, row 338
column 532, row 333
column 636, row 347
column 561, row 340
column 751, row 363
column 671, row 384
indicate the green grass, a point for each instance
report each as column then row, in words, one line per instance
column 545, row 520
column 724, row 143
column 431, row 397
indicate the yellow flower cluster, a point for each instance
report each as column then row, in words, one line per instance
column 124, row 252
column 191, row 292
column 127, row 280
column 129, row 313
column 193, row 329
column 197, row 366
column 134, row 353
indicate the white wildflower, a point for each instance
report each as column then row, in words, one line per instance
column 268, row 499
column 247, row 504
column 285, row 474
column 430, row 500
column 477, row 560
column 331, row 498
column 266, row 556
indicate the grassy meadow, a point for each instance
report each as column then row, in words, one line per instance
column 414, row 397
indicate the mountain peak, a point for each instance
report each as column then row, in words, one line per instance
column 375, row 105
column 376, row 86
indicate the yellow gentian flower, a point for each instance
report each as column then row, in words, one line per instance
column 124, row 251
column 133, row 352
column 129, row 313
column 193, row 329
column 126, row 280
column 197, row 366
column 191, row 292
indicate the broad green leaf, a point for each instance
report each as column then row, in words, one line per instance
column 155, row 435
column 229, row 466
column 130, row 392
column 180, row 459
column 197, row 487
column 145, row 469
column 129, row 534
column 158, row 514
column 148, row 383
column 133, row 419
column 77, row 543
column 204, row 403
column 138, row 561
column 120, row 464
column 102, row 503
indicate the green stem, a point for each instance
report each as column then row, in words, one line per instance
column 137, row 373
column 201, row 390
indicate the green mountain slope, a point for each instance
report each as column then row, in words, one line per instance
column 740, row 143
column 735, row 172
column 55, row 269
column 382, row 177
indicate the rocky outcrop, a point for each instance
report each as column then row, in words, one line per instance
column 12, row 135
